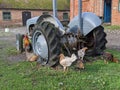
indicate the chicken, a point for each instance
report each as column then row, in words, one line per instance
column 80, row 64
column 27, row 45
column 115, row 60
column 81, row 53
column 31, row 56
column 109, row 57
column 62, row 57
column 67, row 61
column 26, row 41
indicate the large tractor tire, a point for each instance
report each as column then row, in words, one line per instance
column 96, row 42
column 46, row 43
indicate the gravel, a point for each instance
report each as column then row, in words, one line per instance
column 113, row 38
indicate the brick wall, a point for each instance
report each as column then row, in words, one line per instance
column 16, row 16
column 115, row 13
column 95, row 6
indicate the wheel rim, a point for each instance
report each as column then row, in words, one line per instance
column 40, row 46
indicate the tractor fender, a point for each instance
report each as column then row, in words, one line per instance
column 90, row 22
column 52, row 20
column 31, row 21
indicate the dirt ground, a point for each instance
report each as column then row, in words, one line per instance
column 113, row 38
column 10, row 39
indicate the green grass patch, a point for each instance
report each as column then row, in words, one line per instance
column 114, row 52
column 96, row 76
column 25, row 76
column 113, row 27
column 37, row 4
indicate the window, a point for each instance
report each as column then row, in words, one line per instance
column 65, row 16
column 119, row 6
column 6, row 15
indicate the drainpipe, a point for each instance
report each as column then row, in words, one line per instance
column 80, row 17
column 55, row 8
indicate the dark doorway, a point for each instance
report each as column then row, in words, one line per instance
column 107, row 11
column 25, row 16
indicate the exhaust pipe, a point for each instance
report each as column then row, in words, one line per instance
column 80, row 17
column 55, row 8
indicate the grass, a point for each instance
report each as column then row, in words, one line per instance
column 112, row 27
column 25, row 76
column 36, row 4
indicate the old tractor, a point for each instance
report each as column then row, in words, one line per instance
column 49, row 37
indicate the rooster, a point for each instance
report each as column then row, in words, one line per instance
column 27, row 45
column 109, row 57
column 67, row 61
column 81, row 53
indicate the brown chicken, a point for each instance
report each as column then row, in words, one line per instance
column 81, row 54
column 27, row 45
column 67, row 61
column 80, row 64
column 109, row 57
column 61, row 57
column 31, row 56
column 115, row 60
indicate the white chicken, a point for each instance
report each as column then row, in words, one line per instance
column 67, row 61
column 81, row 53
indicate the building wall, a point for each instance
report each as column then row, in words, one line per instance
column 97, row 7
column 16, row 16
column 115, row 13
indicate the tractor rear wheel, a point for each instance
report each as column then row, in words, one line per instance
column 46, row 43
column 96, row 41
